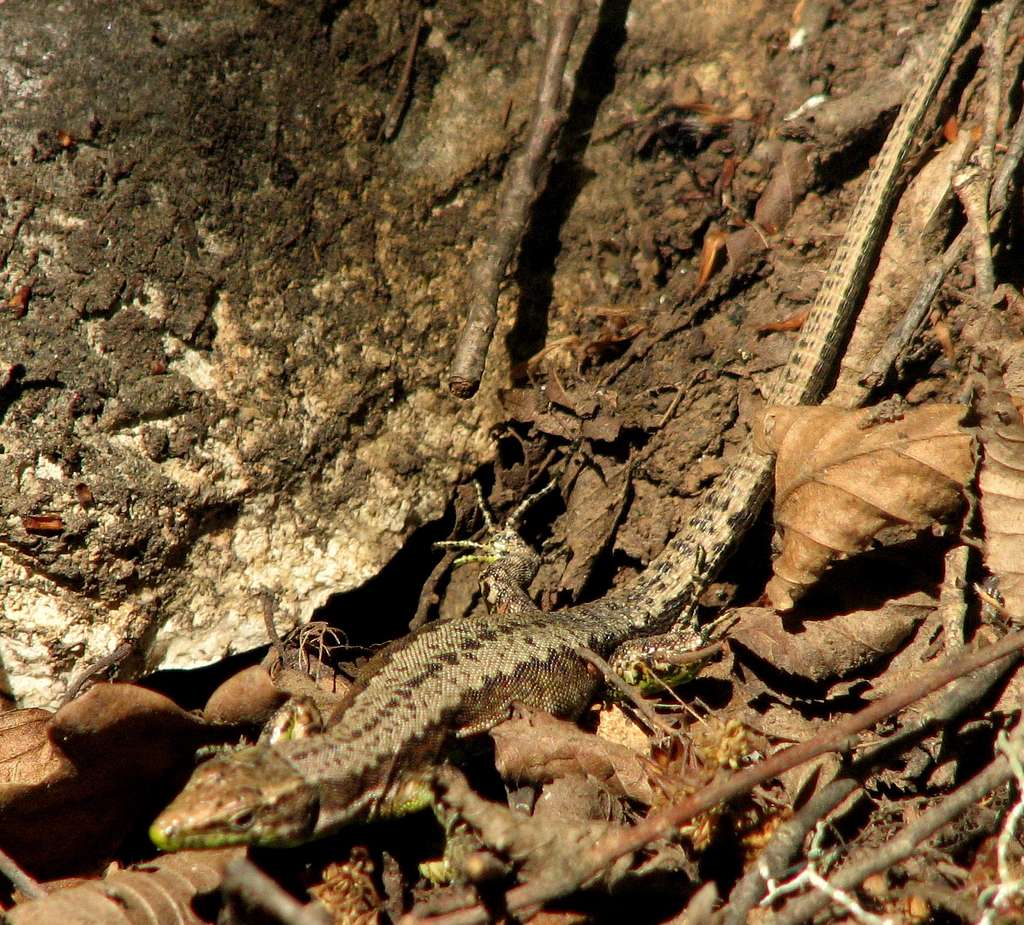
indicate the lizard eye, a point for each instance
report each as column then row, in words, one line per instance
column 242, row 820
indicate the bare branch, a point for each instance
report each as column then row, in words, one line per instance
column 525, row 177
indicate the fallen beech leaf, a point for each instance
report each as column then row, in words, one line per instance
column 161, row 891
column 1001, row 492
column 249, row 696
column 841, row 476
column 823, row 650
column 113, row 722
column 27, row 757
column 534, row 747
column 99, row 766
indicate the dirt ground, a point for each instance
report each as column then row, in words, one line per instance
column 235, row 267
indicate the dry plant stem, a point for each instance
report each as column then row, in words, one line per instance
column 840, row 736
column 939, row 267
column 401, row 95
column 788, row 839
column 246, row 881
column 429, row 596
column 612, row 677
column 972, row 191
column 778, row 853
column 525, row 176
column 1007, row 168
column 906, row 843
column 995, row 50
column 952, row 601
column 30, row 887
column 15, row 231
column 101, row 664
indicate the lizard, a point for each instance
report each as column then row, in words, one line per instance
column 456, row 679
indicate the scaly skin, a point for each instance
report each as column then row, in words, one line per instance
column 448, row 680
column 456, row 679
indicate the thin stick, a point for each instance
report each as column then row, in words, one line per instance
column 995, row 50
column 246, row 881
column 971, row 187
column 906, row 843
column 789, row 837
column 525, row 177
column 32, row 888
column 396, row 108
column 836, row 738
column 940, row 266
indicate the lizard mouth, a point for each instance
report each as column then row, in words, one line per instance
column 168, row 837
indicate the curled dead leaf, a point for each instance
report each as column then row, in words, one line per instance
column 824, row 650
column 537, row 748
column 1001, row 491
column 841, row 476
column 710, row 253
column 91, row 772
column 249, row 696
column 160, row 891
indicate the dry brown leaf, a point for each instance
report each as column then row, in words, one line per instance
column 594, row 508
column 537, row 748
column 122, row 722
column 248, row 696
column 823, row 650
column 1001, row 492
column 159, row 893
column 91, row 771
column 841, row 476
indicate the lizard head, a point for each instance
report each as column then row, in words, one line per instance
column 249, row 797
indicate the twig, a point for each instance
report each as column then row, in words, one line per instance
column 952, row 600
column 1007, row 169
column 940, row 266
column 19, row 879
column 996, row 897
column 399, row 99
column 24, row 217
column 525, row 176
column 789, row 837
column 971, row 188
column 103, row 663
column 785, row 843
column 830, row 893
column 838, row 737
column 246, row 881
column 995, row 49
column 905, row 844
column 612, row 677
column 429, row 595
column 268, row 604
